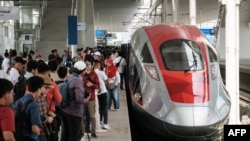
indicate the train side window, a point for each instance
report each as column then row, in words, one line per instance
column 212, row 55
column 145, row 54
column 137, row 42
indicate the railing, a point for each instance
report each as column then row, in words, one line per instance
column 220, row 17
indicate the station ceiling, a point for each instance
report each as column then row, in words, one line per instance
column 114, row 14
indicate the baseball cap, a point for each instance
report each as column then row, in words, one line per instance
column 80, row 65
column 46, row 80
column 97, row 53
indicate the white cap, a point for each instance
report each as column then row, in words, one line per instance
column 80, row 65
column 98, row 53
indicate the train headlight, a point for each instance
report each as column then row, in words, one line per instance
column 152, row 72
column 214, row 71
column 137, row 96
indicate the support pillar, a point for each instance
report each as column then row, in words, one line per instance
column 89, row 19
column 164, row 11
column 192, row 11
column 81, row 18
column 232, row 58
column 175, row 7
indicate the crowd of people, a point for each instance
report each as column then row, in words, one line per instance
column 95, row 76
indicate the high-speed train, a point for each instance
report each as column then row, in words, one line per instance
column 174, row 85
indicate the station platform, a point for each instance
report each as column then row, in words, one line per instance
column 119, row 122
column 244, row 64
column 244, row 70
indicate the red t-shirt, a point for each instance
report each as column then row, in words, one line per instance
column 7, row 121
column 53, row 96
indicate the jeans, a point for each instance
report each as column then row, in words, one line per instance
column 113, row 95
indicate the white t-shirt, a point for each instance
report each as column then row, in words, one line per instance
column 122, row 64
column 3, row 74
column 27, row 75
column 13, row 75
column 102, row 77
column 5, row 64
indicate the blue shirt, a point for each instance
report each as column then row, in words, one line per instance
column 32, row 116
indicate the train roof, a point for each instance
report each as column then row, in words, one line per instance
column 172, row 30
column 159, row 33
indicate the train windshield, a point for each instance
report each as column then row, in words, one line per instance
column 181, row 55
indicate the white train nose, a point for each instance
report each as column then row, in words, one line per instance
column 192, row 116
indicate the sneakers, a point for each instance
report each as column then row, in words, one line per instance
column 94, row 135
column 100, row 131
column 106, row 126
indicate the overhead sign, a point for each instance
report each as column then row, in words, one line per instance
column 100, row 33
column 9, row 13
column 206, row 31
column 72, row 30
column 81, row 26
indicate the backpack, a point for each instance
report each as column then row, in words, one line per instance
column 64, row 90
column 20, row 87
column 19, row 111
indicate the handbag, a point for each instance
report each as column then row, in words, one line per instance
column 110, row 86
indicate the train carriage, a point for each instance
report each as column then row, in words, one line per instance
column 174, row 84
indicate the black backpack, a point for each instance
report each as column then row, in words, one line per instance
column 20, row 87
column 19, row 111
